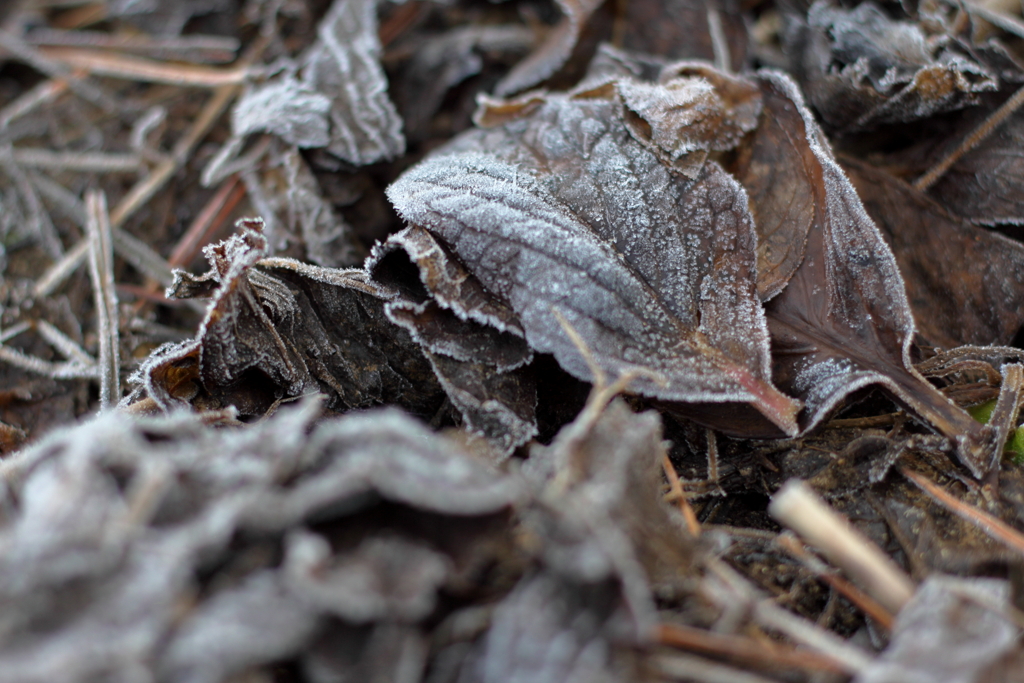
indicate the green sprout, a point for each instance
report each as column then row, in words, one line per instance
column 1015, row 444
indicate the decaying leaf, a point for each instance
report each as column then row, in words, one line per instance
column 964, row 284
column 163, row 548
column 843, row 322
column 952, row 630
column 284, row 329
column 861, row 68
column 576, row 225
column 339, row 100
column 553, row 52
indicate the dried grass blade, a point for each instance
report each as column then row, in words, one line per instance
column 89, row 162
column 144, row 70
column 101, row 270
column 69, row 370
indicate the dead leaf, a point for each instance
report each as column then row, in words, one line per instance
column 843, row 321
column 274, row 331
column 553, row 52
column 964, row 284
column 568, row 215
column 861, row 68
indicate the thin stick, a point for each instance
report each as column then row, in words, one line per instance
column 1008, row 23
column 692, row 523
column 44, row 92
column 850, row 658
column 39, row 61
column 692, row 668
column 101, row 269
column 89, row 162
column 742, row 648
column 69, row 370
column 798, row 507
column 719, row 44
column 977, row 136
column 64, row 344
column 992, row 526
column 144, row 70
column 863, row 601
column 192, row 48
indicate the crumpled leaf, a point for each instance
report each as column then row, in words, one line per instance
column 964, row 284
column 284, row 329
column 861, row 69
column 148, row 547
column 948, row 632
column 843, row 322
column 553, row 52
column 339, row 101
column 568, row 218
column 682, row 29
column 608, row 541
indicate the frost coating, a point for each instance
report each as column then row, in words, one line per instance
column 571, row 215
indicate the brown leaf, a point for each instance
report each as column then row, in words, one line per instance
column 683, row 29
column 568, row 215
column 843, row 321
column 964, row 284
column 473, row 341
column 275, row 331
column 986, row 185
column 861, row 68
column 553, row 52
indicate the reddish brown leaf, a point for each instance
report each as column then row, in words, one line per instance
column 843, row 321
column 965, row 284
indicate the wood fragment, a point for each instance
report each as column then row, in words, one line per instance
column 742, row 648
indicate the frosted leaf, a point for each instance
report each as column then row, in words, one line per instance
column 288, row 109
column 344, row 66
column 949, row 631
column 553, row 52
column 285, row 329
column 685, row 116
column 120, row 522
column 861, row 69
column 474, row 342
column 843, row 322
column 965, row 284
column 568, row 216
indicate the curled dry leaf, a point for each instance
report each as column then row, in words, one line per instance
column 861, row 68
column 272, row 332
column 553, row 52
column 474, row 342
column 842, row 322
column 576, row 225
column 121, row 521
column 964, row 284
column 340, row 99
